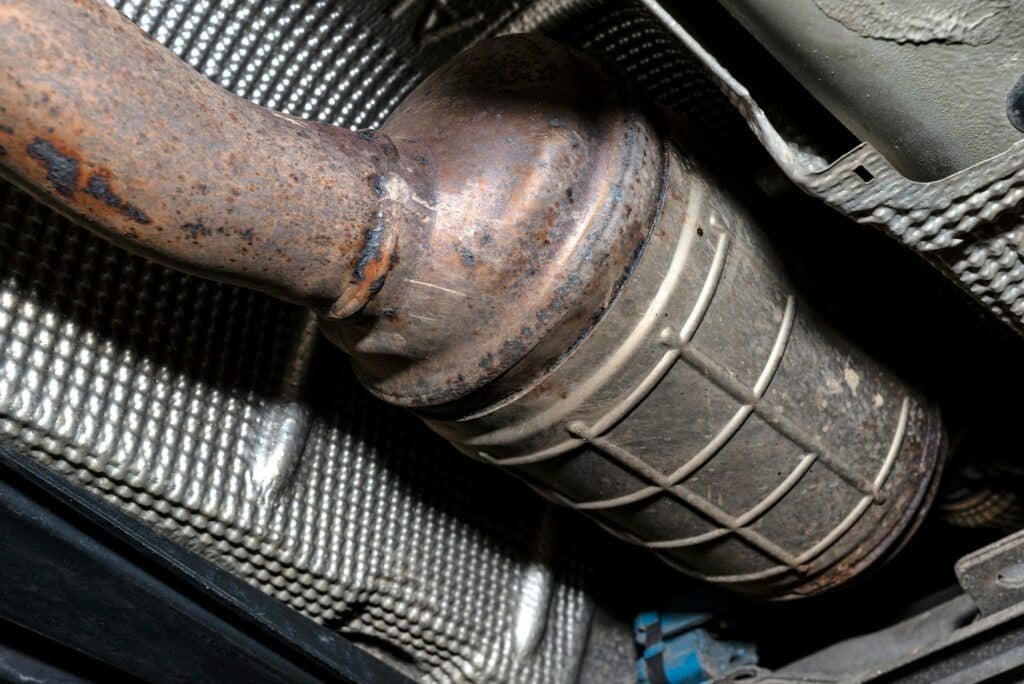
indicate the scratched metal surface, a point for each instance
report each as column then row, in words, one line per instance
column 218, row 416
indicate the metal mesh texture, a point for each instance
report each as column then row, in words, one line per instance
column 631, row 39
column 214, row 415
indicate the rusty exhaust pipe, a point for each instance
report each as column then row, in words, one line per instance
column 521, row 256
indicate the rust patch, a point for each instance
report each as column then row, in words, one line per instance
column 468, row 258
column 61, row 169
column 98, row 186
column 373, row 239
column 378, row 184
column 135, row 214
column 196, row 229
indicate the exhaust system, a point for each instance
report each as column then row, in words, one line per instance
column 524, row 259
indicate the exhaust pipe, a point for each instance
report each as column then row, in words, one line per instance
column 523, row 258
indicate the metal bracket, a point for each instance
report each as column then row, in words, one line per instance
column 938, row 219
column 994, row 575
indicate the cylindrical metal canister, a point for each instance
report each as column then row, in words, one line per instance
column 712, row 419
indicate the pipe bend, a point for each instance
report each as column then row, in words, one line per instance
column 111, row 129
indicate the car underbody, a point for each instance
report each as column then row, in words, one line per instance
column 809, row 476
